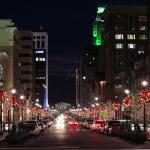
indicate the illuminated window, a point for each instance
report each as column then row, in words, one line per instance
column 39, row 52
column 131, row 46
column 119, row 46
column 100, row 10
column 39, row 78
column 142, row 28
column 143, row 37
column 118, row 36
column 40, row 59
column 140, row 51
column 131, row 36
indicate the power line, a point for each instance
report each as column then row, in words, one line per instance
column 64, row 60
column 61, row 75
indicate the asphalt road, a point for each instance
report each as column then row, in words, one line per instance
column 71, row 137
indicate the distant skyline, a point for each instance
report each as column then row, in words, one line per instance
column 69, row 27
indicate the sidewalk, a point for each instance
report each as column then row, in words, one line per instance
column 2, row 137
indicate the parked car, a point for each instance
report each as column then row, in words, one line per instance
column 148, row 133
column 114, row 127
column 33, row 127
column 89, row 123
column 97, row 125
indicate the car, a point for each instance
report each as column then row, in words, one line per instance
column 73, row 122
column 89, row 123
column 33, row 127
column 114, row 127
column 97, row 125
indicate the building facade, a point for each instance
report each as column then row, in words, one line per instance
column 126, row 39
column 25, row 72
column 40, row 45
column 98, row 27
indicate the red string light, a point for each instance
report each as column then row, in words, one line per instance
column 144, row 95
column 127, row 101
column 115, row 105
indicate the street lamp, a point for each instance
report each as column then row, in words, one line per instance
column 93, row 106
column 37, row 100
column 144, row 83
column 126, row 91
column 96, row 98
column 22, row 104
column 84, row 77
column 13, row 91
column 2, row 96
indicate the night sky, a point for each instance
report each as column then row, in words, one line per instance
column 69, row 24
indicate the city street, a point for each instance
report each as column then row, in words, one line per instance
column 60, row 136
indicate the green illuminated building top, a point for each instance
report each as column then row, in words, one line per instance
column 97, row 31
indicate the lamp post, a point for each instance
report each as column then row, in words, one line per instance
column 13, row 91
column 1, row 99
column 144, row 96
column 22, row 105
column 125, row 102
column 93, row 106
column 116, row 107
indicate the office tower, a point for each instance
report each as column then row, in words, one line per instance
column 125, row 43
column 40, row 45
column 98, row 27
column 25, row 64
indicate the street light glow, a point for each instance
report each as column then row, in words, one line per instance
column 144, row 83
column 127, row 91
column 22, row 97
column 13, row 91
column 96, row 98
column 93, row 105
column 84, row 77
column 37, row 100
column 97, row 104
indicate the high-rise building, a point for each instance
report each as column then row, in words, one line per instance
column 98, row 27
column 89, row 73
column 25, row 72
column 40, row 45
column 92, row 67
column 126, row 39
